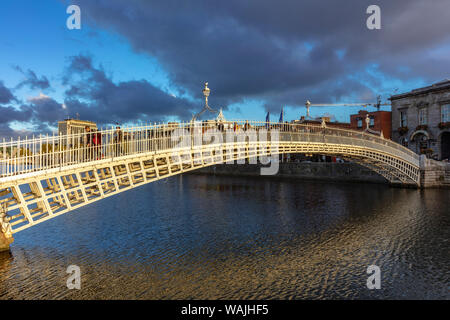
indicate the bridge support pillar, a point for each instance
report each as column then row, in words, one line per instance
column 5, row 241
column 6, row 237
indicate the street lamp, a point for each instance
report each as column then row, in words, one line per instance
column 206, row 93
column 307, row 104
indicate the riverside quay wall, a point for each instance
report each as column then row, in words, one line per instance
column 347, row 172
column 434, row 174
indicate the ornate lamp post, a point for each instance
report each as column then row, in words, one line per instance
column 307, row 104
column 206, row 93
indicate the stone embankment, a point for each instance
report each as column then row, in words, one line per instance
column 434, row 174
column 340, row 172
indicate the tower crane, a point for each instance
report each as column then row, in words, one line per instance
column 377, row 105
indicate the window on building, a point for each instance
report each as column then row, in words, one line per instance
column 445, row 113
column 403, row 122
column 359, row 122
column 372, row 121
column 423, row 119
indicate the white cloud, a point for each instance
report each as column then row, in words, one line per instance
column 40, row 97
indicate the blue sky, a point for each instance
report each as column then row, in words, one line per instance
column 41, row 42
column 138, row 61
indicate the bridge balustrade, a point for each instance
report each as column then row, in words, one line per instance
column 26, row 155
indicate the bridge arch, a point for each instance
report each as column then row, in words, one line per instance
column 37, row 186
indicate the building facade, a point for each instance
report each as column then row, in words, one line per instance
column 318, row 121
column 380, row 121
column 421, row 120
column 74, row 126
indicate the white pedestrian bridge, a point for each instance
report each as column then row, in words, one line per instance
column 46, row 176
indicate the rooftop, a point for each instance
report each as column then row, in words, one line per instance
column 77, row 121
column 438, row 86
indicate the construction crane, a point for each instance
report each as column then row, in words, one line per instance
column 377, row 105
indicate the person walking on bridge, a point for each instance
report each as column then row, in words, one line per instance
column 97, row 144
column 88, row 143
column 117, row 140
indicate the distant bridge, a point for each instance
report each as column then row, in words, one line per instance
column 41, row 178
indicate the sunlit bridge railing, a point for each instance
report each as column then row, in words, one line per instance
column 26, row 155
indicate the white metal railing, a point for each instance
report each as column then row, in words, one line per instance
column 25, row 155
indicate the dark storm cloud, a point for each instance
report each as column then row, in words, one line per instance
column 268, row 49
column 41, row 112
column 6, row 131
column 32, row 80
column 10, row 114
column 93, row 95
column 6, row 95
column 46, row 110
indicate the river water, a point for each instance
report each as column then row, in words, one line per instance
column 210, row 237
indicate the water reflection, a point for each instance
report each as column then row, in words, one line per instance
column 207, row 237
